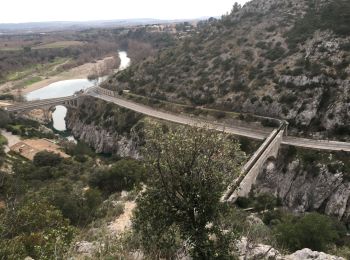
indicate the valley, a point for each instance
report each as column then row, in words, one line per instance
column 221, row 138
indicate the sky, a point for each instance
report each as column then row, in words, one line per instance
column 19, row 11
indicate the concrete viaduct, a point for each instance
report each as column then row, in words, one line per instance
column 243, row 184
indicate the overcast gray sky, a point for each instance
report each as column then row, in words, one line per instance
column 17, row 11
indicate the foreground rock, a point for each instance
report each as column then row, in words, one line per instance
column 309, row 254
column 247, row 250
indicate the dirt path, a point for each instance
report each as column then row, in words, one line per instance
column 124, row 220
column 11, row 139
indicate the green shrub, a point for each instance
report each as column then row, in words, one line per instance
column 314, row 231
column 46, row 158
column 7, row 97
column 4, row 118
column 269, row 122
column 123, row 175
column 288, row 99
column 75, row 204
column 261, row 45
column 275, row 53
column 267, row 99
column 333, row 16
column 219, row 114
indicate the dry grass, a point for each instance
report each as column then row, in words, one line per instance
column 49, row 45
column 59, row 44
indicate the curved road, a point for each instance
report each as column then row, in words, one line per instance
column 249, row 132
column 236, row 130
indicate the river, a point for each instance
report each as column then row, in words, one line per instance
column 67, row 88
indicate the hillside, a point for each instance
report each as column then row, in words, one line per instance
column 286, row 59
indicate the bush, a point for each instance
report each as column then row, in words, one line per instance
column 270, row 122
column 3, row 140
column 275, row 53
column 288, row 99
column 219, row 114
column 333, row 16
column 7, row 97
column 34, row 228
column 123, row 175
column 76, row 205
column 267, row 99
column 314, row 231
column 4, row 118
column 46, row 158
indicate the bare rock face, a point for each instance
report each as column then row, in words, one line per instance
column 257, row 251
column 102, row 140
column 306, row 189
column 85, row 248
column 105, row 128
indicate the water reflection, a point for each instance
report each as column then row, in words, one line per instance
column 67, row 88
column 58, row 118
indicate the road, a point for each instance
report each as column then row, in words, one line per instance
column 235, row 130
column 254, row 133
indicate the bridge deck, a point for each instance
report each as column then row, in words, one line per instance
column 259, row 134
column 235, row 130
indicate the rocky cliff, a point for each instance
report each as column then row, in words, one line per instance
column 105, row 127
column 309, row 181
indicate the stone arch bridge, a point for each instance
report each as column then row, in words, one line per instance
column 70, row 101
column 45, row 105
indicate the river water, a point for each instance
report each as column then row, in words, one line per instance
column 67, row 88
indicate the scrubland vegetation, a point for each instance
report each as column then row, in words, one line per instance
column 53, row 203
column 291, row 52
column 35, row 57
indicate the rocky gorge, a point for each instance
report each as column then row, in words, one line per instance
column 308, row 181
column 106, row 128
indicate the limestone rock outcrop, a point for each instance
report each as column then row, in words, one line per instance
column 94, row 124
column 303, row 187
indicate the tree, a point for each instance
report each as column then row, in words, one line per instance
column 77, row 206
column 236, row 8
column 46, row 158
column 4, row 118
column 190, row 170
column 32, row 227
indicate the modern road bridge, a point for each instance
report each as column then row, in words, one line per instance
column 113, row 97
column 243, row 184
